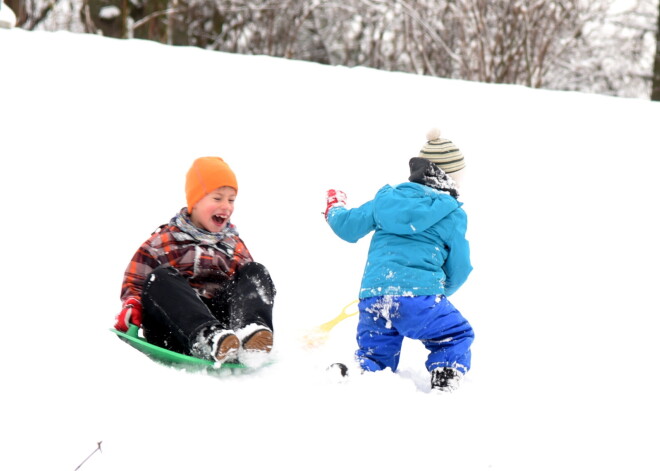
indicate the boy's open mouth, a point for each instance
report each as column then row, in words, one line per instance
column 219, row 220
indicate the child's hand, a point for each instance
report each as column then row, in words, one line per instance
column 335, row 198
column 131, row 313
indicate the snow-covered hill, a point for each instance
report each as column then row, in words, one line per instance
column 562, row 196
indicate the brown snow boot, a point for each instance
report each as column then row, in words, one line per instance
column 261, row 340
column 227, row 347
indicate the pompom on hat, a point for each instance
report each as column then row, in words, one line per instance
column 205, row 175
column 442, row 152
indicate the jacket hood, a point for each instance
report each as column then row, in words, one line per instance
column 410, row 208
column 427, row 173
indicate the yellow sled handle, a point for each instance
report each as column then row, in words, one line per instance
column 317, row 336
column 342, row 315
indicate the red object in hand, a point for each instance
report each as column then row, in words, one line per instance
column 335, row 198
column 131, row 313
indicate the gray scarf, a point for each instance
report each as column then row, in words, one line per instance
column 183, row 222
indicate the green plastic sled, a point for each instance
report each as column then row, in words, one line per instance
column 168, row 357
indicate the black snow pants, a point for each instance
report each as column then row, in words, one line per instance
column 174, row 315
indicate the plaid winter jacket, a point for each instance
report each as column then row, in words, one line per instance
column 206, row 259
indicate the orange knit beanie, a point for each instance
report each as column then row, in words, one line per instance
column 205, row 175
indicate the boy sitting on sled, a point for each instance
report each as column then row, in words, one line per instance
column 193, row 286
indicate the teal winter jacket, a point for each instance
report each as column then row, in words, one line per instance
column 419, row 245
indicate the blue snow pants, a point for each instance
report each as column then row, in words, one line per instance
column 386, row 320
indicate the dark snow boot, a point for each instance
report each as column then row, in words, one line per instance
column 445, row 379
column 340, row 368
column 337, row 373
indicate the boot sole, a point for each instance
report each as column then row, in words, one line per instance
column 227, row 348
column 261, row 340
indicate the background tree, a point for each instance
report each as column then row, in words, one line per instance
column 31, row 13
column 576, row 45
column 655, row 83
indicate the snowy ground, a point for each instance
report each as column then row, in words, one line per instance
column 562, row 195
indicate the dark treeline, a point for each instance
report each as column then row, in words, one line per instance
column 568, row 44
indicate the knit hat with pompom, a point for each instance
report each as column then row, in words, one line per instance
column 205, row 175
column 442, row 152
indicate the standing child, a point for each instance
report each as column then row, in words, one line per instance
column 418, row 256
column 193, row 286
